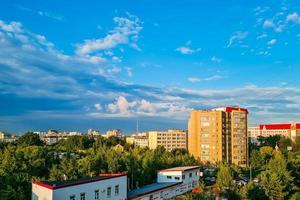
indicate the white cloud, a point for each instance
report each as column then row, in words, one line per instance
column 186, row 49
column 121, row 106
column 294, row 17
column 211, row 78
column 98, row 106
column 237, row 37
column 264, row 35
column 126, row 32
column 268, row 23
column 216, row 59
column 129, row 71
column 194, row 79
column 272, row 42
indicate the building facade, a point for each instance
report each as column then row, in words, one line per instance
column 103, row 187
column 264, row 130
column 170, row 183
column 171, row 139
column 219, row 134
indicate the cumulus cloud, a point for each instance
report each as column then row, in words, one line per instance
column 293, row 17
column 272, row 42
column 98, row 106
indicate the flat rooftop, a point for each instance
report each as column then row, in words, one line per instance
column 147, row 189
column 185, row 168
column 69, row 183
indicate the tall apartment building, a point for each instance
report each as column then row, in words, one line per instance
column 171, row 139
column 219, row 134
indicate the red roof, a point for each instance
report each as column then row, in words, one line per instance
column 52, row 185
column 230, row 109
column 298, row 126
column 275, row 126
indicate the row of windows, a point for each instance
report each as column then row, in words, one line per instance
column 97, row 194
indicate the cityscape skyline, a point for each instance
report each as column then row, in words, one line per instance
column 105, row 66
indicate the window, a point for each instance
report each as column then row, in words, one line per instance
column 82, row 196
column 169, row 177
column 191, row 175
column 177, row 178
column 183, row 177
column 72, row 197
column 151, row 197
column 96, row 194
column 108, row 191
column 117, row 190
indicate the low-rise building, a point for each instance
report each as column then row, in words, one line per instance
column 130, row 139
column 171, row 139
column 114, row 132
column 2, row 135
column 103, row 187
column 264, row 130
column 170, row 183
column 93, row 133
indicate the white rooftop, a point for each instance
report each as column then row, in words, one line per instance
column 185, row 168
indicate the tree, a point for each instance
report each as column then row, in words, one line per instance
column 284, row 143
column 277, row 180
column 253, row 192
column 224, row 177
column 30, row 139
column 269, row 141
column 256, row 159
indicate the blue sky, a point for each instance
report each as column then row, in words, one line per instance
column 74, row 65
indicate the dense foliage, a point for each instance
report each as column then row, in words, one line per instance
column 79, row 156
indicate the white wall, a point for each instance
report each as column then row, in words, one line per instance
column 188, row 183
column 88, row 189
column 40, row 193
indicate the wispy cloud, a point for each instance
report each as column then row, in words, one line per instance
column 211, row 78
column 42, row 13
column 216, row 59
column 186, row 49
column 126, row 31
column 237, row 38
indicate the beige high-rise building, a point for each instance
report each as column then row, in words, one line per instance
column 171, row 139
column 219, row 134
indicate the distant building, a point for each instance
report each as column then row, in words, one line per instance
column 2, row 135
column 130, row 140
column 219, row 134
column 171, row 139
column 52, row 132
column 93, row 133
column 114, row 132
column 253, row 133
column 103, row 187
column 264, row 130
column 170, row 183
column 141, row 140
